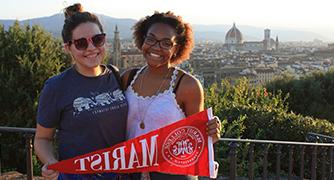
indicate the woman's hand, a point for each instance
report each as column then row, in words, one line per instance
column 213, row 128
column 48, row 173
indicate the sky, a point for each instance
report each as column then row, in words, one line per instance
column 310, row 15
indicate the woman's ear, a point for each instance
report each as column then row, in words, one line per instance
column 67, row 48
column 68, row 51
column 176, row 50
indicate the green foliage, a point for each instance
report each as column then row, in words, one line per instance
column 28, row 56
column 37, row 166
column 254, row 113
column 317, row 87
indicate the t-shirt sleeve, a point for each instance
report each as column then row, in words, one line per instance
column 48, row 114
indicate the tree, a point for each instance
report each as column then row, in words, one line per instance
column 28, row 56
column 250, row 112
column 311, row 95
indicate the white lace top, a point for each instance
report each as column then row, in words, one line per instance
column 156, row 111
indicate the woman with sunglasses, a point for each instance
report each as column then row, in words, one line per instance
column 159, row 93
column 85, row 102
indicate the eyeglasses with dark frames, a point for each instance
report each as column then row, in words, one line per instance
column 165, row 43
column 97, row 40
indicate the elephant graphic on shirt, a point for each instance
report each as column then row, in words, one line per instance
column 103, row 99
column 118, row 95
column 81, row 103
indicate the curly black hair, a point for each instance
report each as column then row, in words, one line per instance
column 184, row 32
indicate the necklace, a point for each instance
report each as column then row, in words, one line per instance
column 142, row 114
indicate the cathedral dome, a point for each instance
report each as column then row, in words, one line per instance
column 233, row 36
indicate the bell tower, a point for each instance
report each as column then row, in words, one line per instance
column 266, row 40
column 116, row 56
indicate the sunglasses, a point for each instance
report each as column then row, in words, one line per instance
column 164, row 43
column 97, row 40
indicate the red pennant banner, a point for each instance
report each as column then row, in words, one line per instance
column 179, row 148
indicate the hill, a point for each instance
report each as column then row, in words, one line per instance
column 217, row 33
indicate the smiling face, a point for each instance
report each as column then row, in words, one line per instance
column 159, row 45
column 90, row 58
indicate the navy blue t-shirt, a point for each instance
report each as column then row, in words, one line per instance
column 90, row 113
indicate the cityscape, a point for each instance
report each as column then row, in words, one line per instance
column 259, row 61
column 267, row 68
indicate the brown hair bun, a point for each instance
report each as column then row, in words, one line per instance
column 71, row 10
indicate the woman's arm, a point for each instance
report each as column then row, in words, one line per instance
column 191, row 96
column 43, row 144
column 44, row 150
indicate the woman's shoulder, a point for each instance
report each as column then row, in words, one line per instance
column 188, row 80
column 127, row 76
column 127, row 72
column 189, row 92
column 57, row 80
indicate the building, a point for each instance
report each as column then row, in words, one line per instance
column 265, row 75
column 127, row 58
column 132, row 59
column 234, row 42
column 116, row 54
column 233, row 38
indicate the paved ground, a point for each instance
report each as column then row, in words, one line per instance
column 14, row 175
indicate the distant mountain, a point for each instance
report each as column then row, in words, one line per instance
column 55, row 22
column 51, row 23
column 250, row 33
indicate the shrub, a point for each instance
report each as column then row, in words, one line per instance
column 254, row 113
column 28, row 56
column 317, row 87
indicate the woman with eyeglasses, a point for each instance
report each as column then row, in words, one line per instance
column 85, row 102
column 159, row 93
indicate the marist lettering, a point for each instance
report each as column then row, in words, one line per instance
column 116, row 159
